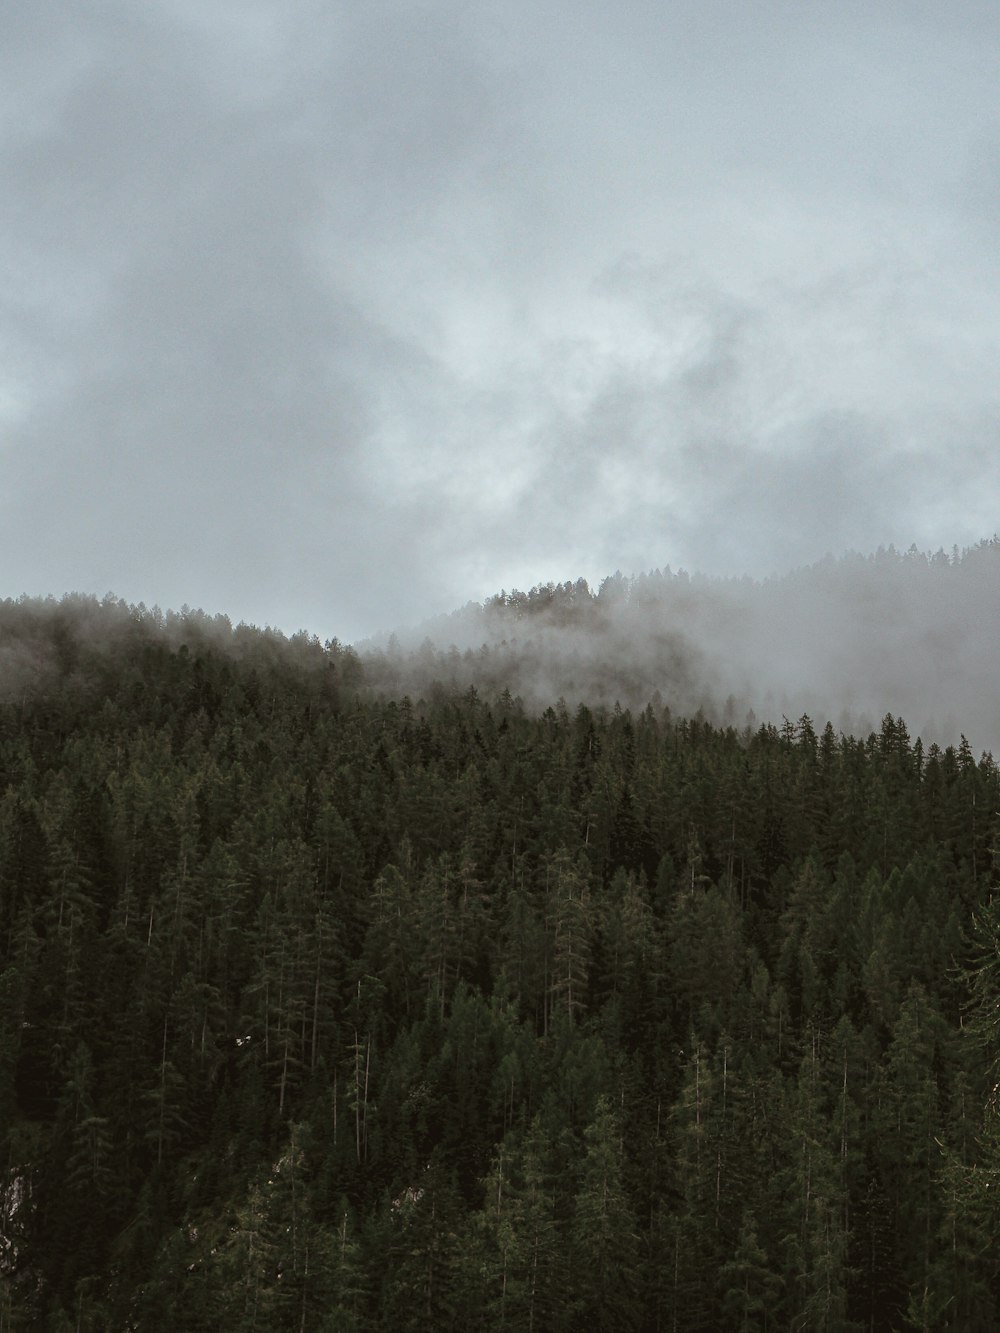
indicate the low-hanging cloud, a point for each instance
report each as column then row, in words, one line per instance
column 338, row 318
column 845, row 641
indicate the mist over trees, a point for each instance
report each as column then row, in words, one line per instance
column 327, row 1003
column 850, row 639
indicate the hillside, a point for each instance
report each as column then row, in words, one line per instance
column 322, row 1007
column 849, row 639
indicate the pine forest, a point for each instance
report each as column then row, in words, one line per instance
column 326, row 1005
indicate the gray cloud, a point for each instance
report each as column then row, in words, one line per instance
column 338, row 318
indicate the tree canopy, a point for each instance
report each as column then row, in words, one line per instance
column 326, row 1009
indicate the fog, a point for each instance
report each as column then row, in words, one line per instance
column 916, row 635
column 846, row 641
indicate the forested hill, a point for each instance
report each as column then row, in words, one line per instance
column 850, row 639
column 323, row 1009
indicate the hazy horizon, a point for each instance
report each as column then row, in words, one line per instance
column 339, row 318
column 912, row 633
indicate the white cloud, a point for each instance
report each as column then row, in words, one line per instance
column 339, row 318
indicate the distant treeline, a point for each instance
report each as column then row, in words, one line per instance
column 326, row 1009
column 850, row 639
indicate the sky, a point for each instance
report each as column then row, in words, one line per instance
column 338, row 316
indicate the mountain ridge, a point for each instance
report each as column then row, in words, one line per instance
column 848, row 639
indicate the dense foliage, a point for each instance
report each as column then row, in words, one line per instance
column 324, row 1010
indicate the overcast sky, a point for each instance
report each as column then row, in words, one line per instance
column 339, row 315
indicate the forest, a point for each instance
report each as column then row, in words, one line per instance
column 330, row 1004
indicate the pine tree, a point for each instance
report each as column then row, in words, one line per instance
column 605, row 1234
column 750, row 1287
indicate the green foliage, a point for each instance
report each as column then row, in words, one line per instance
column 321, row 1009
